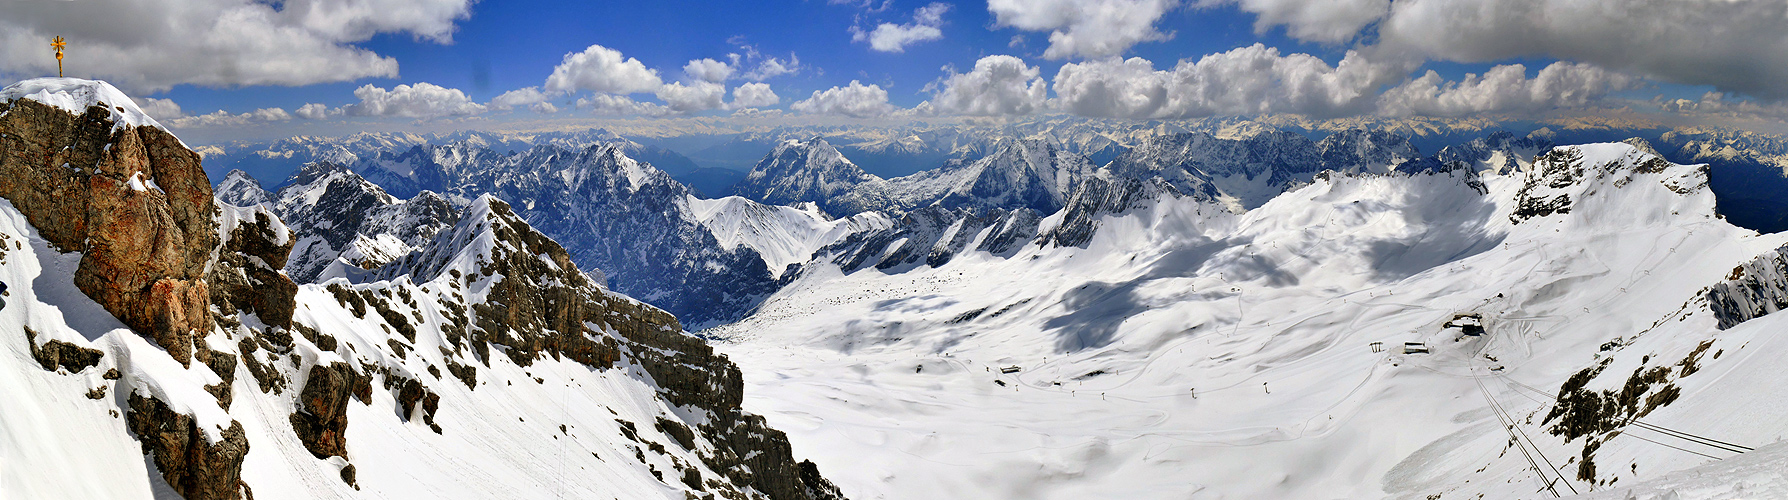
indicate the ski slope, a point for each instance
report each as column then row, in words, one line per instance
column 1190, row 352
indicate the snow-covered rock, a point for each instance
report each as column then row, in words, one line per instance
column 799, row 171
column 76, row 96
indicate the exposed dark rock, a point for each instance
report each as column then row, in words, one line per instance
column 247, row 277
column 56, row 353
column 1753, row 289
column 347, row 476
column 224, row 365
column 193, row 466
column 544, row 306
column 322, row 416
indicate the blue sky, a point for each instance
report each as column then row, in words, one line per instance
column 226, row 68
column 512, row 44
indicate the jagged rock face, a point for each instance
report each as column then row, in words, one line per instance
column 132, row 199
column 421, row 168
column 246, row 276
column 1022, row 174
column 1097, row 197
column 1029, row 174
column 623, row 217
column 197, row 468
column 803, row 171
column 1358, row 150
column 933, row 236
column 1754, row 289
column 541, row 305
column 1250, row 170
column 322, row 420
column 1500, row 152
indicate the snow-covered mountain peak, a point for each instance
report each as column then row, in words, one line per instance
column 1633, row 187
column 317, row 179
column 802, row 170
column 487, row 229
column 1499, row 152
column 76, row 95
column 242, row 190
column 1363, row 150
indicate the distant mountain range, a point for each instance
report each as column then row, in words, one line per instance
column 654, row 236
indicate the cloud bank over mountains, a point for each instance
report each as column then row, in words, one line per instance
column 1532, row 56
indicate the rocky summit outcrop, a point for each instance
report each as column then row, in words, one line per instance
column 131, row 199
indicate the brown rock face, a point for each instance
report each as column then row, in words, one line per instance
column 323, row 409
column 134, row 201
column 196, row 468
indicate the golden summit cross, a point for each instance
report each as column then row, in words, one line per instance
column 58, row 43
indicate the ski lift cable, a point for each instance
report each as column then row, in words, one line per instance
column 1710, row 442
column 1507, row 427
column 1536, row 446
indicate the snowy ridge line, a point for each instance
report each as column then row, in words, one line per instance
column 76, row 96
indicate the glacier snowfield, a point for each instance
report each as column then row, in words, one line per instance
column 1191, row 352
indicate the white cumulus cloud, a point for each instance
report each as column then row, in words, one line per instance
column 1244, row 81
column 602, row 69
column 522, row 97
column 422, row 100
column 1085, row 28
column 1733, row 45
column 221, row 118
column 709, row 70
column 152, row 45
column 855, row 100
column 159, row 109
column 1504, row 88
column 890, row 37
column 618, row 105
column 696, row 96
column 999, row 85
column 754, row 95
column 315, row 111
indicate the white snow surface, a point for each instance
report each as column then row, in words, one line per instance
column 781, row 235
column 1192, row 352
column 75, row 95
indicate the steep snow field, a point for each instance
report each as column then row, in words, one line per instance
column 1189, row 352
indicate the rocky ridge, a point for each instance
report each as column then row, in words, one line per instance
column 202, row 280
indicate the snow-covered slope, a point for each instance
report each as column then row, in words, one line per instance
column 781, row 235
column 1185, row 350
column 799, row 171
